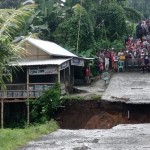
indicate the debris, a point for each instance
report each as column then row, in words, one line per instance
column 120, row 98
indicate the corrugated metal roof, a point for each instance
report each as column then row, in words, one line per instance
column 25, row 62
column 51, row 48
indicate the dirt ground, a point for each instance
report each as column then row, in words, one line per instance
column 95, row 115
column 90, row 114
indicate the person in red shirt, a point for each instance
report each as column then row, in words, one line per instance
column 101, row 67
column 87, row 74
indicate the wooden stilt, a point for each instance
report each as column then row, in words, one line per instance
column 69, row 74
column 2, row 113
column 73, row 76
column 28, row 113
column 58, row 74
column 64, row 76
column 28, row 108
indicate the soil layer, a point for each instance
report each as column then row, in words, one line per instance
column 89, row 114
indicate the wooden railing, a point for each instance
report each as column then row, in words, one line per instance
column 20, row 91
column 133, row 63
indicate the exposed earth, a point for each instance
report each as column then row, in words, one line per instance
column 104, row 118
column 100, row 115
column 103, row 114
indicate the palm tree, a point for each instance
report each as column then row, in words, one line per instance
column 11, row 24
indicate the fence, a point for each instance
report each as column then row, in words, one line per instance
column 20, row 91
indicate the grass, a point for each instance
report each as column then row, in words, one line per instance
column 95, row 97
column 11, row 139
column 82, row 97
column 72, row 97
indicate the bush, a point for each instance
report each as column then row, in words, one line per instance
column 44, row 107
column 103, row 44
column 106, row 44
column 118, row 45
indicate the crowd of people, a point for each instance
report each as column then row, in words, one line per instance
column 143, row 28
column 135, row 48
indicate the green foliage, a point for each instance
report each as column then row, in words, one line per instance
column 88, row 53
column 11, row 24
column 46, row 18
column 11, row 139
column 67, row 32
column 10, row 3
column 44, row 107
column 69, row 98
column 98, row 20
column 6, row 52
column 140, row 5
column 106, row 44
column 78, row 27
column 103, row 44
column 6, row 48
column 113, row 18
column 118, row 45
column 132, row 14
column 131, row 28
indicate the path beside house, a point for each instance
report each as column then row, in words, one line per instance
column 97, row 87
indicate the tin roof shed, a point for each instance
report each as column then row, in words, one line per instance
column 51, row 48
column 26, row 62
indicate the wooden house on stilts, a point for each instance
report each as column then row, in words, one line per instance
column 43, row 64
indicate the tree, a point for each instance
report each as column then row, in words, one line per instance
column 67, row 32
column 113, row 18
column 46, row 18
column 140, row 5
column 11, row 24
column 10, row 3
column 63, row 23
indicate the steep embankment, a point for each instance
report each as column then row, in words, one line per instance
column 100, row 115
